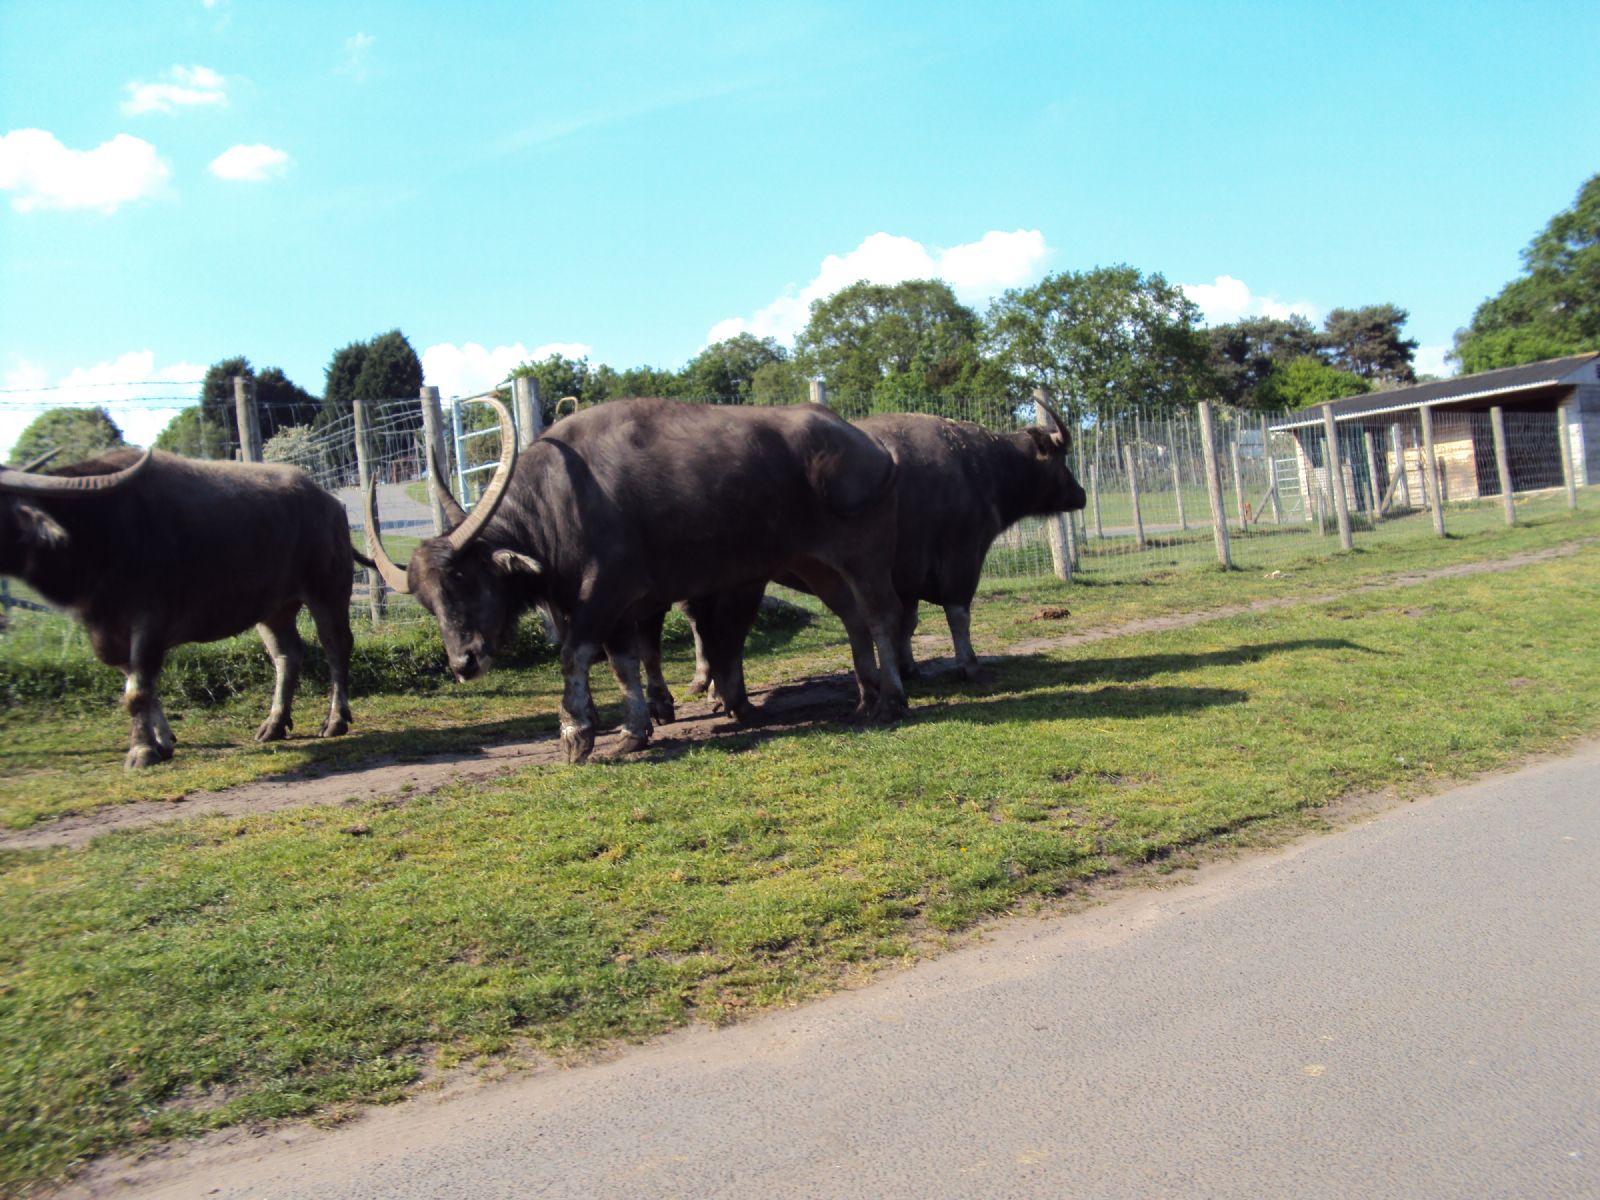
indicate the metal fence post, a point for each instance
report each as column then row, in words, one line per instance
column 1564, row 437
column 1335, row 461
column 456, row 434
column 249, row 425
column 1502, row 462
column 433, row 447
column 363, row 476
column 1219, row 518
column 1430, row 471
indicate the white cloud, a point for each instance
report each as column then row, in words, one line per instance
column 249, row 164
column 357, row 50
column 141, row 397
column 975, row 271
column 1229, row 299
column 1429, row 360
column 45, row 174
column 185, row 87
column 470, row 369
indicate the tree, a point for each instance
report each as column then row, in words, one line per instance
column 559, row 377
column 192, row 434
column 1367, row 342
column 282, row 404
column 78, row 433
column 1243, row 355
column 1306, row 381
column 635, row 381
column 279, row 401
column 1553, row 308
column 390, row 371
column 868, row 332
column 779, row 383
column 1107, row 342
column 296, row 445
column 725, row 371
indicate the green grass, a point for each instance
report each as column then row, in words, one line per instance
column 225, row 970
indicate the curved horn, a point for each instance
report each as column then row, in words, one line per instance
column 452, row 510
column 40, row 461
column 394, row 576
column 1061, row 437
column 54, row 485
column 463, row 533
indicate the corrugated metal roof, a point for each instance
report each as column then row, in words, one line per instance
column 1450, row 391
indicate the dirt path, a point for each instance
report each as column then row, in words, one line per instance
column 785, row 707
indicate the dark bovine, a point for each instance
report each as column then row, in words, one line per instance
column 622, row 509
column 959, row 486
column 151, row 551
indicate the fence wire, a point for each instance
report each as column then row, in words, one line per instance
column 1148, row 513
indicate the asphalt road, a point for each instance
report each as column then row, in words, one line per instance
column 1407, row 1008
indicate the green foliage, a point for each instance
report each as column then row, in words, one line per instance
column 1242, row 355
column 725, row 371
column 280, row 402
column 78, row 433
column 1108, row 342
column 560, row 377
column 1306, row 381
column 1553, row 308
column 191, row 434
column 1367, row 342
column 296, row 444
column 870, row 332
column 779, row 383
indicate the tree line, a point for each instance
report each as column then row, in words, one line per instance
column 1108, row 342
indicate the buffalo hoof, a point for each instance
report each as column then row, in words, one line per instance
column 274, row 731
column 335, row 727
column 979, row 674
column 662, row 711
column 140, row 757
column 743, row 712
column 888, row 709
column 632, row 743
column 698, row 685
column 578, row 744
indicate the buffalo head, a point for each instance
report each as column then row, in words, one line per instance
column 475, row 589
column 1061, row 491
column 26, row 522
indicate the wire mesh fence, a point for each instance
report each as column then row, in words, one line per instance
column 1279, row 494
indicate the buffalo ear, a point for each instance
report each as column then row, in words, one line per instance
column 509, row 562
column 40, row 528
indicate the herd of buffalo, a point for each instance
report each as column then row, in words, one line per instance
column 612, row 516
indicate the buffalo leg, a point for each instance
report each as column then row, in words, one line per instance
column 959, row 618
column 702, row 662
column 879, row 609
column 333, row 631
column 146, row 745
column 577, row 706
column 908, row 626
column 636, row 727
column 657, row 694
column 832, row 590
column 287, row 651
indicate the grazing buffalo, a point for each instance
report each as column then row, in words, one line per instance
column 622, row 509
column 152, row 550
column 959, row 486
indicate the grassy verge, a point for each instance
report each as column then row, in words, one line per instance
column 227, row 970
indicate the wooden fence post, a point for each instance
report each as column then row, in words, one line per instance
column 1564, row 437
column 1335, row 461
column 1272, row 472
column 1094, row 498
column 1376, row 508
column 1430, row 471
column 363, row 475
column 1054, row 527
column 530, row 417
column 1237, row 464
column 1219, row 518
column 1402, row 473
column 819, row 393
column 1502, row 462
column 433, row 441
column 249, row 424
column 1177, row 490
column 1133, row 495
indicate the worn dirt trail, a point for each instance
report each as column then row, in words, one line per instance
column 784, row 707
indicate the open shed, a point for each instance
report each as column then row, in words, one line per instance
column 1381, row 433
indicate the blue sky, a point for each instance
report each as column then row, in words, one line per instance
column 185, row 180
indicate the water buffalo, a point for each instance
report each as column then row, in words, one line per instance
column 152, row 550
column 620, row 510
column 959, row 486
